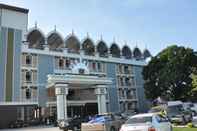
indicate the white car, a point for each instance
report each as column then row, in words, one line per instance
column 147, row 122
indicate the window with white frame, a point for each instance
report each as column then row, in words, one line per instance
column 61, row 63
column 28, row 93
column 67, row 63
column 126, row 69
column 127, row 81
column 28, row 76
column 28, row 59
column 99, row 67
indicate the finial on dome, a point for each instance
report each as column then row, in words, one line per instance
column 101, row 37
column 136, row 45
column 55, row 28
column 73, row 32
column 145, row 46
column 87, row 34
column 36, row 24
column 125, row 42
column 114, row 39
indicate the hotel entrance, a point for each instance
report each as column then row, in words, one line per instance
column 79, row 93
column 89, row 109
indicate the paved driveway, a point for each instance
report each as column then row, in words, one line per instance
column 38, row 128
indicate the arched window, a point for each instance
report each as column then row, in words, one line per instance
column 72, row 44
column 55, row 41
column 88, row 47
column 102, row 49
column 114, row 50
column 36, row 39
column 126, row 52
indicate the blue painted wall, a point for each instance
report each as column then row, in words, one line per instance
column 113, row 96
column 142, row 102
column 45, row 67
column 16, row 67
column 3, row 36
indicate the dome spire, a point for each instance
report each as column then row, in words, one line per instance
column 114, row 39
column 72, row 33
column 55, row 28
column 125, row 42
column 101, row 37
column 88, row 35
column 36, row 24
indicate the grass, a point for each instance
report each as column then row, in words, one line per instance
column 184, row 129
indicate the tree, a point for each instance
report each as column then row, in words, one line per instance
column 168, row 74
column 194, row 82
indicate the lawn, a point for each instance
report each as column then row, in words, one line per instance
column 184, row 129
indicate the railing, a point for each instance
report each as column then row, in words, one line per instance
column 33, row 99
column 51, row 99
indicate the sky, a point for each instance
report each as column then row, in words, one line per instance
column 152, row 24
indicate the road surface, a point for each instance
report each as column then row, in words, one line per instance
column 37, row 128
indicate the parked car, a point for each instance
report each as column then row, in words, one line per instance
column 175, row 112
column 17, row 124
column 147, row 122
column 72, row 124
column 105, row 122
column 190, row 106
column 34, row 122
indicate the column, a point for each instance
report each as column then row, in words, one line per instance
column 101, row 92
column 22, row 113
column 61, row 91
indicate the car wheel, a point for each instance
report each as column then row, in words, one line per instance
column 112, row 129
column 11, row 126
column 193, row 113
column 184, row 120
column 75, row 128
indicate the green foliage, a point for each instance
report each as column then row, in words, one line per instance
column 194, row 82
column 184, row 129
column 168, row 74
column 190, row 125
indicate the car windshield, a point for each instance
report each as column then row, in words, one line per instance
column 177, row 109
column 161, row 118
column 135, row 120
column 191, row 105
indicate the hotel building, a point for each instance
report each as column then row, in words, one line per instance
column 34, row 63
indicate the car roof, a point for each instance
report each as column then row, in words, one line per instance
column 144, row 115
column 174, row 103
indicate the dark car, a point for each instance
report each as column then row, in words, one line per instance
column 72, row 124
column 18, row 124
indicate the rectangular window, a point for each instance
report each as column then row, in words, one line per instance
column 119, row 69
column 28, row 76
column 28, row 93
column 127, row 82
column 28, row 60
column 126, row 69
column 67, row 63
column 61, row 63
column 94, row 66
column 121, row 81
column 99, row 67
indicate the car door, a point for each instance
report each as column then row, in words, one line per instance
column 162, row 123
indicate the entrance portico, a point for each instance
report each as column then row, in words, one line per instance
column 78, row 80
